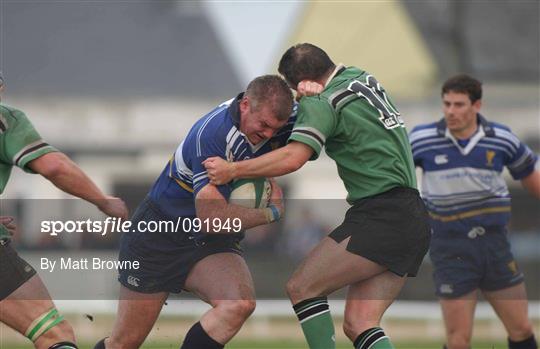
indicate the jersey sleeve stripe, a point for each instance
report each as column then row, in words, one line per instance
column 523, row 162
column 3, row 124
column 313, row 132
column 508, row 136
column 308, row 140
column 309, row 136
column 340, row 98
column 337, row 96
column 28, row 149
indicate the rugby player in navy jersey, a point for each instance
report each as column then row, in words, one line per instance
column 462, row 157
column 206, row 263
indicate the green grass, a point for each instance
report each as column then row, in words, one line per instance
column 285, row 345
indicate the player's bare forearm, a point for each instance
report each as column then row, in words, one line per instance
column 532, row 183
column 68, row 177
column 210, row 204
column 274, row 164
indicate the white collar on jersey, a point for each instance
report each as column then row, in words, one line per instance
column 338, row 68
column 472, row 141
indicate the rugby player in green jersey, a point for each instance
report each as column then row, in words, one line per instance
column 25, row 304
column 385, row 234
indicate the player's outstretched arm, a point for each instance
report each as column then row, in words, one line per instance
column 210, row 204
column 273, row 164
column 68, row 177
column 532, row 183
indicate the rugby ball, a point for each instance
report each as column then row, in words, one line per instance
column 251, row 193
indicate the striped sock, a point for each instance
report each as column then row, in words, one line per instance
column 373, row 338
column 316, row 322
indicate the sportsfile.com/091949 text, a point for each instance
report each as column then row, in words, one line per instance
column 111, row 224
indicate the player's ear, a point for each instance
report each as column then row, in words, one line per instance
column 477, row 105
column 244, row 104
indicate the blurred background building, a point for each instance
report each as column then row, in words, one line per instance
column 117, row 85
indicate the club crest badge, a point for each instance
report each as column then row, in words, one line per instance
column 490, row 155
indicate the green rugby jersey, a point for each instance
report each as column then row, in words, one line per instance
column 20, row 143
column 361, row 129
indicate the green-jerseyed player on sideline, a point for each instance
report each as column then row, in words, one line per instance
column 25, row 304
column 385, row 234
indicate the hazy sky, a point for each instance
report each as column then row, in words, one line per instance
column 253, row 34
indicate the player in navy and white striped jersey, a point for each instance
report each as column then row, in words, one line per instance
column 464, row 179
column 216, row 134
column 463, row 157
column 209, row 264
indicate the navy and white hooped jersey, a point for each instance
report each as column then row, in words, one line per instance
column 463, row 186
column 215, row 134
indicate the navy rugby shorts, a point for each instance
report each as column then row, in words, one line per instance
column 166, row 258
column 465, row 262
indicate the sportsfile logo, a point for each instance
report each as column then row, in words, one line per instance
column 110, row 224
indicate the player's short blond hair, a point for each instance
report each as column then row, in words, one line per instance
column 273, row 92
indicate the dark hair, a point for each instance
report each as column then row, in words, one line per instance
column 271, row 91
column 304, row 61
column 463, row 83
